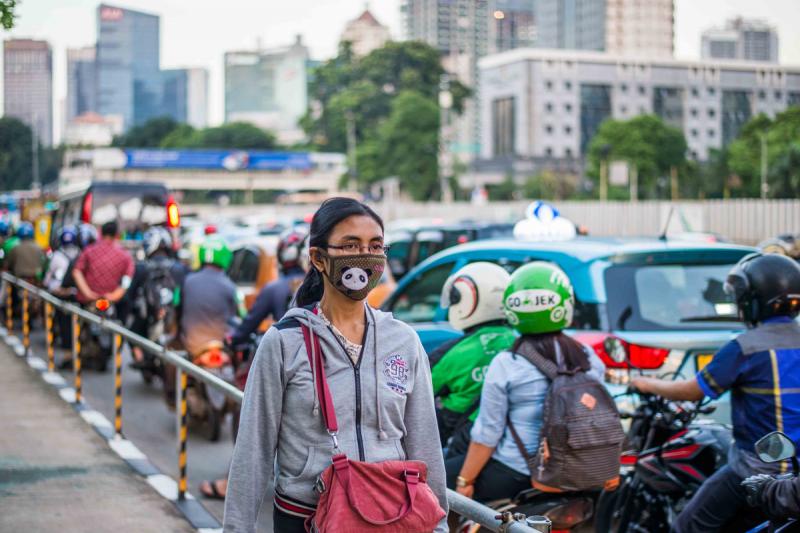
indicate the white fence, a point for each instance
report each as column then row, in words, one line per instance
column 744, row 221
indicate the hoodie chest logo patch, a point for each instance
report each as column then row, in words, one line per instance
column 395, row 368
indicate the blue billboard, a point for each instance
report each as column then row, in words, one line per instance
column 231, row 160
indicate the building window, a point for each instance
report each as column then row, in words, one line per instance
column 503, row 126
column 568, row 152
column 695, row 92
column 736, row 111
column 623, row 88
column 548, row 151
column 668, row 104
column 568, row 108
column 568, row 130
column 548, row 107
column 548, row 129
column 548, row 85
column 694, row 112
column 711, row 91
column 711, row 133
column 712, row 112
column 568, row 85
column 694, row 132
column 762, row 95
column 595, row 108
column 778, row 95
column 642, row 90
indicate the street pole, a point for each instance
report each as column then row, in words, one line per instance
column 34, row 156
column 634, row 184
column 764, row 184
column 603, row 180
column 445, row 157
column 352, row 168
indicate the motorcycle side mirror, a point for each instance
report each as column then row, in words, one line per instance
column 615, row 349
column 775, row 447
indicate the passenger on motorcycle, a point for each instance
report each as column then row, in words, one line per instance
column 65, row 254
column 104, row 269
column 160, row 276
column 275, row 297
column 514, row 390
column 26, row 260
column 473, row 297
column 759, row 367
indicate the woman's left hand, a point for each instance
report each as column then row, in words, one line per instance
column 467, row 491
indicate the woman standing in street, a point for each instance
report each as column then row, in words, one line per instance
column 376, row 369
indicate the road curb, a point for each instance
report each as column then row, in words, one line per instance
column 192, row 510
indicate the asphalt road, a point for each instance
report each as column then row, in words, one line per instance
column 151, row 426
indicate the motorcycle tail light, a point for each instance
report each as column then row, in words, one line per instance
column 644, row 357
column 102, row 304
column 86, row 209
column 570, row 514
column 212, row 359
column 173, row 214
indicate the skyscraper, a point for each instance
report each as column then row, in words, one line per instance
column 185, row 95
column 639, row 28
column 268, row 88
column 365, row 33
column 128, row 75
column 81, row 81
column 749, row 40
column 28, row 85
column 571, row 24
column 512, row 24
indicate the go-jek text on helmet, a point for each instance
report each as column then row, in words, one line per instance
column 68, row 236
column 539, row 299
column 764, row 286
column 155, row 239
column 87, row 234
column 25, row 231
column 290, row 248
column 474, row 295
column 214, row 251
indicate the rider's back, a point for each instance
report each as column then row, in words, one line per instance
column 208, row 302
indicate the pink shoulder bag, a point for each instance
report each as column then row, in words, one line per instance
column 360, row 496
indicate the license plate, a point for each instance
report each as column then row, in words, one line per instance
column 702, row 359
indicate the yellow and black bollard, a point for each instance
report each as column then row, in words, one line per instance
column 9, row 307
column 182, row 433
column 76, row 356
column 49, row 337
column 26, row 325
column 118, row 384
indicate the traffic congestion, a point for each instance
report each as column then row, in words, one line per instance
column 607, row 384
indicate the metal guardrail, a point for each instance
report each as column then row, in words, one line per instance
column 477, row 512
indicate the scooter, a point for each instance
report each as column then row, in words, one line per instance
column 774, row 448
column 97, row 344
column 207, row 406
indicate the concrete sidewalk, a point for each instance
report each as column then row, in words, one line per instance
column 57, row 474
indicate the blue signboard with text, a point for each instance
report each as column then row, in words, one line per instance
column 231, row 160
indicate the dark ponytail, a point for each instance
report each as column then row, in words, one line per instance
column 330, row 213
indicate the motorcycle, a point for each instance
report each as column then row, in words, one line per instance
column 773, row 448
column 97, row 344
column 668, row 455
column 207, row 406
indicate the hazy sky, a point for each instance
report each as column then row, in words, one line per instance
column 198, row 32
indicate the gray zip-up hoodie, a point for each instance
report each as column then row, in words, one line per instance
column 384, row 407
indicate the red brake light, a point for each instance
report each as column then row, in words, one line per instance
column 173, row 215
column 102, row 304
column 644, row 357
column 86, row 209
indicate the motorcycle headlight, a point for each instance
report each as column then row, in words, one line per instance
column 571, row 513
column 166, row 296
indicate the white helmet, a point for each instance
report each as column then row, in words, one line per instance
column 474, row 295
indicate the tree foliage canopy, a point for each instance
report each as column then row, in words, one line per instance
column 16, row 153
column 164, row 132
column 7, row 13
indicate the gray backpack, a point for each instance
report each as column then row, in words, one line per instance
column 581, row 438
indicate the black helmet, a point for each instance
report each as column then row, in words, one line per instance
column 764, row 286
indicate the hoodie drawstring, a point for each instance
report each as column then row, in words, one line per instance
column 381, row 433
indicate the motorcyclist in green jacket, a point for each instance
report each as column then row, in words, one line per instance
column 473, row 297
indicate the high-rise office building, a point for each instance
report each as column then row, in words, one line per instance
column 365, row 33
column 268, row 88
column 81, row 82
column 512, row 24
column 128, row 67
column 644, row 29
column 749, row 40
column 571, row 24
column 185, row 95
column 28, row 85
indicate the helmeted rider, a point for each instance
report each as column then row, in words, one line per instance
column 759, row 367
column 515, row 391
column 26, row 259
column 67, row 251
column 275, row 297
column 155, row 288
column 473, row 297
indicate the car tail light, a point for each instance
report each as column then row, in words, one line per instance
column 644, row 357
column 86, row 209
column 570, row 514
column 173, row 215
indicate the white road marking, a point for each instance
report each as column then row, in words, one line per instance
column 126, row 449
column 67, row 394
column 95, row 418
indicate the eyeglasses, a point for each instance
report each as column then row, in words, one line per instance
column 353, row 248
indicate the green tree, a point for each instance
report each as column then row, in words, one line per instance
column 164, row 132
column 744, row 155
column 16, row 165
column 7, row 15
column 149, row 135
column 650, row 147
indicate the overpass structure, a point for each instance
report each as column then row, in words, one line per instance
column 216, row 170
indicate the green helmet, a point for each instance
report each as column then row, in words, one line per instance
column 539, row 299
column 214, row 251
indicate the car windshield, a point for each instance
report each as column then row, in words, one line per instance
column 662, row 297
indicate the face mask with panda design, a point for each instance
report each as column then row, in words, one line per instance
column 355, row 275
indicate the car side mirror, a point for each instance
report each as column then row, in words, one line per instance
column 775, row 447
